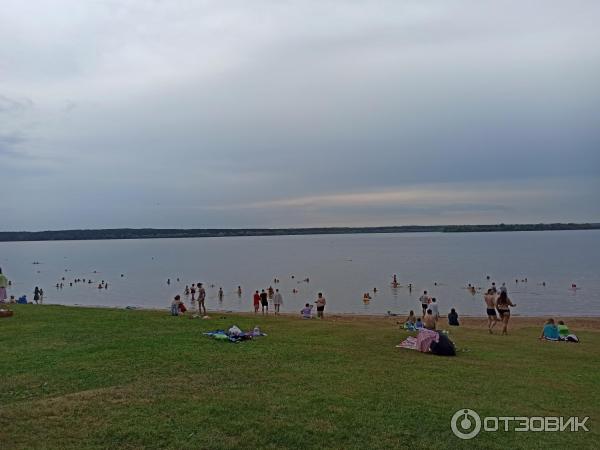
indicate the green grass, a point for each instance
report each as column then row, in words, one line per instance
column 99, row 378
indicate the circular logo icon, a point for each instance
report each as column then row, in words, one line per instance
column 465, row 424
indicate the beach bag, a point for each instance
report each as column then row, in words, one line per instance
column 444, row 346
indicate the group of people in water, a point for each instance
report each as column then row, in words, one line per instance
column 260, row 301
column 497, row 303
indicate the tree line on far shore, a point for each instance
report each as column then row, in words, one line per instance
column 158, row 233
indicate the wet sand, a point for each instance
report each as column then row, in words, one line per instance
column 516, row 322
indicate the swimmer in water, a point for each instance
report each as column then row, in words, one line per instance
column 239, row 291
column 220, row 293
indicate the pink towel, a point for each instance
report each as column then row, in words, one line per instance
column 410, row 343
column 425, row 338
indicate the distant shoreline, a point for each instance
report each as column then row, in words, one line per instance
column 171, row 233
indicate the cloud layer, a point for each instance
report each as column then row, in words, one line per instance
column 231, row 114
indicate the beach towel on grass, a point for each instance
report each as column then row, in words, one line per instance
column 222, row 335
column 425, row 338
column 410, row 343
column 430, row 341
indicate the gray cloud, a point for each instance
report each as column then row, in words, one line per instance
column 205, row 114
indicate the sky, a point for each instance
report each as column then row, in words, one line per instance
column 235, row 114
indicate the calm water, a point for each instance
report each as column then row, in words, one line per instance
column 343, row 267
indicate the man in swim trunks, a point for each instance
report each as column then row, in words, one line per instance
column 424, row 299
column 201, row 298
column 320, row 305
column 490, row 304
column 264, row 301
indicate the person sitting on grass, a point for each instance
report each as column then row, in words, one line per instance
column 563, row 330
column 306, row 311
column 411, row 319
column 418, row 324
column 453, row 318
column 429, row 320
column 550, row 331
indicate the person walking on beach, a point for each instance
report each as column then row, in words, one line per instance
column 425, row 300
column 277, row 301
column 320, row 305
column 264, row 301
column 3, row 285
column 201, row 298
column 503, row 305
column 256, row 300
column 490, row 304
column 36, row 295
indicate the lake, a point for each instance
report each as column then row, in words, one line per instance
column 343, row 267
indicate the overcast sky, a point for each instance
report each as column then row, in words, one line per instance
column 280, row 113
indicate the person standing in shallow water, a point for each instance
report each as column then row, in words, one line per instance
column 256, row 300
column 3, row 285
column 201, row 298
column 277, row 301
column 264, row 301
column 320, row 305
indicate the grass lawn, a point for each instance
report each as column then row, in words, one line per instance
column 100, row 378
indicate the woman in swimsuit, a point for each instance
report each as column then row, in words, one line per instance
column 503, row 305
